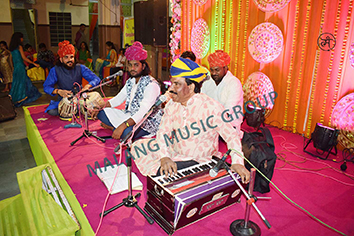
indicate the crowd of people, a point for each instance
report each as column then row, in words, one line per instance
column 195, row 96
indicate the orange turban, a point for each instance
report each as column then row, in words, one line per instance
column 65, row 48
column 218, row 59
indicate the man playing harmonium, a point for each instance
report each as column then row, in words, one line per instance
column 64, row 75
column 190, row 128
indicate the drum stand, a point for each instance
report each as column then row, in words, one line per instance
column 87, row 133
column 245, row 227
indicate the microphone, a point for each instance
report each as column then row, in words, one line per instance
column 161, row 99
column 119, row 73
column 214, row 172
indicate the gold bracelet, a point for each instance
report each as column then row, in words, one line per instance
column 127, row 124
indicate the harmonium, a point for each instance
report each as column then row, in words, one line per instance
column 190, row 195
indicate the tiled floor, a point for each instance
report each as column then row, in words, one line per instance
column 15, row 152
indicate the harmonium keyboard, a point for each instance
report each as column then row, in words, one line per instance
column 189, row 195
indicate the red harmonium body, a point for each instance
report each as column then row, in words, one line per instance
column 189, row 196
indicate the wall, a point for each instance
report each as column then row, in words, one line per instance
column 5, row 21
column 79, row 14
column 109, row 19
column 108, row 24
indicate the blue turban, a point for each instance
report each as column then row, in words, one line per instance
column 186, row 68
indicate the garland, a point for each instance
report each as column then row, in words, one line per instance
column 291, row 67
column 330, row 67
column 314, row 76
column 299, row 80
column 341, row 62
column 175, row 42
column 244, row 43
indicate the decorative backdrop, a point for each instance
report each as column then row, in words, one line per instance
column 309, row 81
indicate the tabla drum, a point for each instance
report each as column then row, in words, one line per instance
column 67, row 107
column 93, row 100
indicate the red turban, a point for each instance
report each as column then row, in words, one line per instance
column 65, row 48
column 136, row 52
column 218, row 59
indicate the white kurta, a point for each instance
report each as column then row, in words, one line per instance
column 229, row 93
column 117, row 117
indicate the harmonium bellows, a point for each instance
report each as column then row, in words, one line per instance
column 190, row 195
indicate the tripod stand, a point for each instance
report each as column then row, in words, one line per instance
column 246, row 227
column 130, row 200
column 73, row 123
column 86, row 132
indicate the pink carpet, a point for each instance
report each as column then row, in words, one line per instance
column 327, row 194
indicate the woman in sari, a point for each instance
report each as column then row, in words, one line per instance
column 110, row 60
column 22, row 90
column 6, row 66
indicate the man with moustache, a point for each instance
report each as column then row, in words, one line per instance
column 140, row 93
column 64, row 75
column 182, row 139
column 224, row 87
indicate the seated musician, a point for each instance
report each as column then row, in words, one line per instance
column 64, row 75
column 223, row 86
column 190, row 128
column 139, row 93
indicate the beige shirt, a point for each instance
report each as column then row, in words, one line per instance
column 197, row 127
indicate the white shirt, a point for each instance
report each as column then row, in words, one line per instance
column 229, row 93
column 117, row 117
column 121, row 61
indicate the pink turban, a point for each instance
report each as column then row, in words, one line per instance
column 218, row 59
column 136, row 52
column 65, row 48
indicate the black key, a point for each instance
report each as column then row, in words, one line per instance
column 161, row 181
column 179, row 175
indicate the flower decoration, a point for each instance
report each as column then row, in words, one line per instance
column 265, row 42
column 200, row 38
column 351, row 55
column 343, row 119
column 199, row 2
column 257, row 89
column 271, row 5
column 176, row 29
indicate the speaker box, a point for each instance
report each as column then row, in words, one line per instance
column 150, row 22
column 7, row 108
column 143, row 22
column 160, row 8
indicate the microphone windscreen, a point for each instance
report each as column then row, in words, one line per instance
column 163, row 98
column 213, row 173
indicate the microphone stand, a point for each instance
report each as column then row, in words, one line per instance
column 131, row 200
column 73, row 123
column 86, row 132
column 246, row 227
